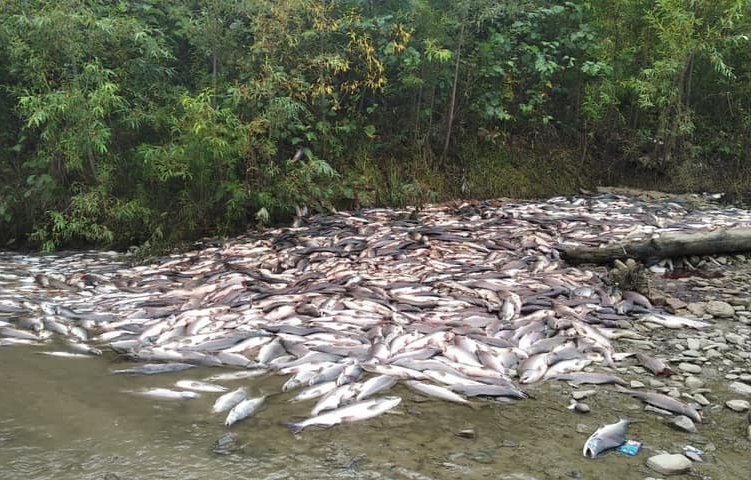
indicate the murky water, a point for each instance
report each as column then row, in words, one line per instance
column 71, row 418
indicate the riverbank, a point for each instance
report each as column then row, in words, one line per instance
column 463, row 288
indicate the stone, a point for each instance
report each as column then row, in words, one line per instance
column 701, row 399
column 582, row 428
column 656, row 383
column 675, row 303
column 738, row 405
column 694, row 383
column 735, row 338
column 693, row 344
column 682, row 422
column 636, row 384
column 582, row 394
column 697, row 309
column 748, row 432
column 669, row 464
column 582, row 408
column 720, row 309
column 689, row 367
column 741, row 388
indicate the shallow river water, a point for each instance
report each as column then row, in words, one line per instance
column 71, row 418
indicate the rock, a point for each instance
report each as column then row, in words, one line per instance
column 669, row 464
column 738, row 405
column 720, row 309
column 582, row 394
column 675, row 304
column 693, row 344
column 694, row 383
column 637, row 384
column 741, row 388
column 582, row 428
column 735, row 338
column 689, row 367
column 701, row 399
column 582, row 408
column 697, row 309
column 656, row 383
column 748, row 432
column 682, row 422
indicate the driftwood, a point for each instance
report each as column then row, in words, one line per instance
column 666, row 245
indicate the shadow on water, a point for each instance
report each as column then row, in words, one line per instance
column 72, row 419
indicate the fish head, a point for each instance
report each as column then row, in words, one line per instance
column 593, row 447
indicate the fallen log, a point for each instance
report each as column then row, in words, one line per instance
column 664, row 245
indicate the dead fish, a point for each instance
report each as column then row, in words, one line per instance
column 579, row 378
column 533, row 368
column 221, row 377
column 229, row 400
column 198, row 386
column 166, row 394
column 363, row 410
column 375, row 385
column 243, row 410
column 66, row 354
column 489, row 391
column 664, row 402
column 315, row 391
column 156, row 368
column 655, row 365
column 605, row 438
column 435, row 391
column 674, row 321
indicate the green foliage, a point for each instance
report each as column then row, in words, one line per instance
column 153, row 122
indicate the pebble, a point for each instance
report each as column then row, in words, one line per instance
column 669, row 464
column 466, row 433
column 738, row 405
column 637, row 384
column 582, row 408
column 582, row 394
column 582, row 428
column 720, row 309
column 656, row 383
column 693, row 344
column 748, row 433
column 689, row 367
column 735, row 338
column 741, row 388
column 701, row 399
column 694, row 383
column 682, row 422
column 696, row 308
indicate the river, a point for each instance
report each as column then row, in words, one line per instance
column 72, row 419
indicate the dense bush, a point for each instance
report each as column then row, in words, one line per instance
column 161, row 120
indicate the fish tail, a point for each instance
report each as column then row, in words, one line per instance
column 295, row 428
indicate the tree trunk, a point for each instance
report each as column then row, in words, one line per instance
column 666, row 245
column 452, row 105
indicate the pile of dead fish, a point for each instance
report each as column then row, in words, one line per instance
column 452, row 302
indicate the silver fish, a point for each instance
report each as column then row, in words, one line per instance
column 435, row 391
column 363, row 410
column 375, row 385
column 243, row 410
column 166, row 394
column 198, row 386
column 229, row 400
column 156, row 368
column 605, row 438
